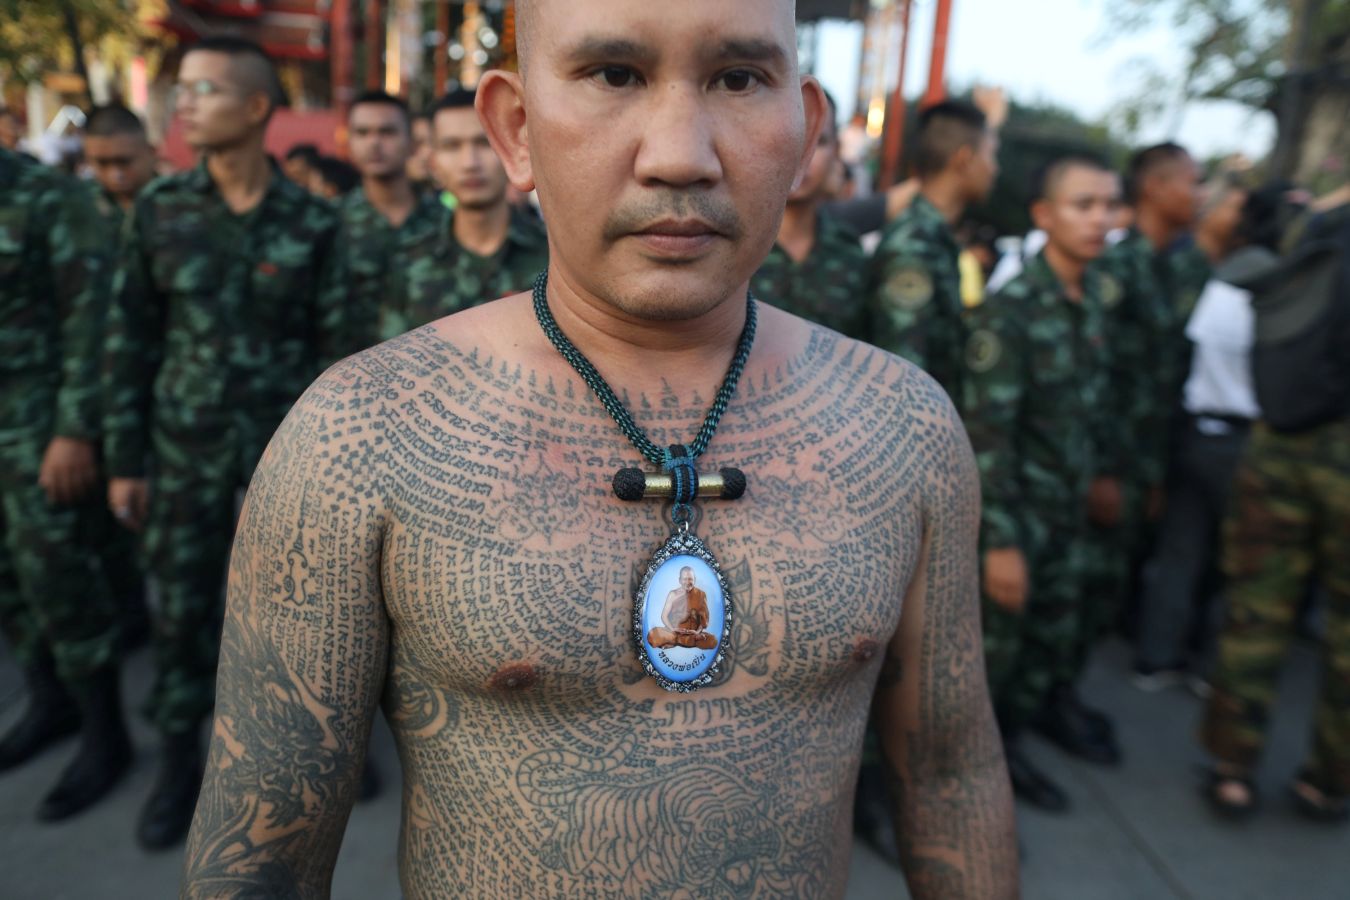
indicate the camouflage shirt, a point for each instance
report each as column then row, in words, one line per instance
column 213, row 313
column 829, row 287
column 443, row 277
column 1148, row 298
column 1035, row 375
column 376, row 263
column 54, row 270
column 915, row 294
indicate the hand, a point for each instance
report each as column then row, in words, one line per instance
column 129, row 500
column 1105, row 502
column 1005, row 578
column 69, row 470
column 899, row 197
column 993, row 102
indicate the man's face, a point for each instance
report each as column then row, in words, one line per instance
column 982, row 172
column 1079, row 211
column 815, row 185
column 379, row 140
column 211, row 103
column 686, row 579
column 121, row 163
column 9, row 131
column 463, row 160
column 419, row 159
column 297, row 169
column 667, row 139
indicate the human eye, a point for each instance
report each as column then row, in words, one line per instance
column 617, row 77
column 739, row 81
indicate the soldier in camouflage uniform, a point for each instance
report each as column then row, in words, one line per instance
column 56, row 611
column 1152, row 290
column 817, row 269
column 482, row 250
column 1035, row 375
column 915, row 295
column 215, row 330
column 119, row 154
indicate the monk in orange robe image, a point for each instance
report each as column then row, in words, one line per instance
column 685, row 616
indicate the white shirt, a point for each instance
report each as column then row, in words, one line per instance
column 1223, row 328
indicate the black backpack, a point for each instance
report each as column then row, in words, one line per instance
column 1301, row 356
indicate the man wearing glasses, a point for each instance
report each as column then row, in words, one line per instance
column 214, row 330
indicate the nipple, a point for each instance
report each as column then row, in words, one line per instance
column 514, row 677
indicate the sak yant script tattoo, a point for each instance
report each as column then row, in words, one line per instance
column 432, row 531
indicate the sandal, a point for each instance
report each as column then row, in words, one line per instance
column 1317, row 804
column 1217, row 786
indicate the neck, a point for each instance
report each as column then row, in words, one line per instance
column 483, row 231
column 946, row 196
column 1151, row 224
column 241, row 173
column 644, row 355
column 797, row 233
column 1067, row 269
column 392, row 196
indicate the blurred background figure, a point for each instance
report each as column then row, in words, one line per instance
column 301, row 164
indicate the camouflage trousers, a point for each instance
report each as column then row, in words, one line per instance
column 54, row 596
column 1027, row 654
column 190, row 530
column 1110, row 558
column 1290, row 519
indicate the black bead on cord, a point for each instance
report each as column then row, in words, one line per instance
column 611, row 403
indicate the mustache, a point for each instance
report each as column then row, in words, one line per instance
column 717, row 212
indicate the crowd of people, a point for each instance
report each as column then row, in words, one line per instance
column 157, row 331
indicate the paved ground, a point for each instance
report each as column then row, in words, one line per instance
column 1136, row 833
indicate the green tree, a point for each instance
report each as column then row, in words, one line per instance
column 41, row 36
column 1290, row 58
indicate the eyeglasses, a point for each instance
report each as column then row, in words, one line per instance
column 199, row 89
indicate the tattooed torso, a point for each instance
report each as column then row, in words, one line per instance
column 538, row 760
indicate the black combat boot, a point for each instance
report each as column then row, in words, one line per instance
column 370, row 781
column 1031, row 784
column 167, row 815
column 104, row 755
column 1078, row 730
column 50, row 716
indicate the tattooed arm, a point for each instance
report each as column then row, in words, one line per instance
column 301, row 666
column 942, row 752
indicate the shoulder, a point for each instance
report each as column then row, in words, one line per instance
column 302, row 206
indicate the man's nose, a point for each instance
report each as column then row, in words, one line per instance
column 679, row 142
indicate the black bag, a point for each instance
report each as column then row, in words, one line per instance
column 1301, row 356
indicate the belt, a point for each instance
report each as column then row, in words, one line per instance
column 1213, row 423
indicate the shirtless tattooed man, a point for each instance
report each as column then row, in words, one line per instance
column 432, row 532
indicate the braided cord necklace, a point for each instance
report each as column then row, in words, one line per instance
column 682, row 610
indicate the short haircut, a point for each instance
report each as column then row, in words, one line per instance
column 1265, row 214
column 1150, row 160
column 308, row 152
column 945, row 128
column 1049, row 175
column 113, row 120
column 458, row 98
column 380, row 98
column 252, row 66
column 340, row 174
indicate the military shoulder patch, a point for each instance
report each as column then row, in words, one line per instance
column 1110, row 290
column 983, row 350
column 909, row 289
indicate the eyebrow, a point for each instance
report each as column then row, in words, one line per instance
column 599, row 48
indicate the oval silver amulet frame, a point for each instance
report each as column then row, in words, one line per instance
column 682, row 611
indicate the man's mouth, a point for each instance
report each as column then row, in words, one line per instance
column 678, row 238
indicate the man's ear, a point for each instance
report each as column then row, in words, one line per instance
column 258, row 106
column 816, row 108
column 501, row 109
column 1040, row 215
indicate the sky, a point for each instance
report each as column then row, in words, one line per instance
column 1060, row 54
